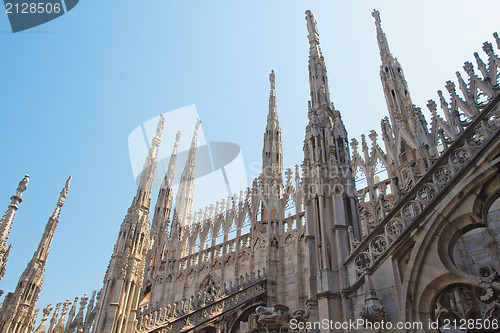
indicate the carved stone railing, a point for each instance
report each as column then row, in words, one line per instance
column 439, row 179
column 466, row 101
column 229, row 218
column 237, row 248
column 195, row 311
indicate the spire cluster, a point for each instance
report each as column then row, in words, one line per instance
column 18, row 308
column 313, row 234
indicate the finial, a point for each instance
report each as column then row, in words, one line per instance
column 376, row 15
column 373, row 136
column 288, row 174
column 497, row 39
column 272, row 78
column 432, row 106
column 450, row 86
column 487, row 48
column 373, row 310
column 46, row 312
column 469, row 68
column 66, row 306
column 195, row 135
column 64, row 193
column 354, row 144
column 177, row 138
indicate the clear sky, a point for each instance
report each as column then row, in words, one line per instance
column 73, row 90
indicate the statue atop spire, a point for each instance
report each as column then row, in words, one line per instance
column 19, row 307
column 23, row 185
column 312, row 27
column 381, row 38
column 272, row 78
column 7, row 221
column 272, row 152
column 318, row 79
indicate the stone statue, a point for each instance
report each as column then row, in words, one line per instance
column 23, row 184
column 272, row 78
column 311, row 24
column 273, row 315
column 159, row 128
column 279, row 314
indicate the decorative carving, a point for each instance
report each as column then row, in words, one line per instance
column 259, row 244
column 279, row 315
column 190, row 313
column 290, row 240
column 478, row 300
column 272, row 316
column 373, row 310
column 378, row 244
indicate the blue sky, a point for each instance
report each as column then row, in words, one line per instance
column 73, row 89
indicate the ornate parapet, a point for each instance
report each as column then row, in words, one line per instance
column 228, row 252
column 467, row 101
column 477, row 123
column 198, row 310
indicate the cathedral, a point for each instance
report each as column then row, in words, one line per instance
column 415, row 247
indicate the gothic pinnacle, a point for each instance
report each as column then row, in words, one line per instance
column 142, row 197
column 184, row 199
column 7, row 221
column 381, row 37
column 272, row 97
column 19, row 309
column 62, row 199
column 318, row 78
column 164, row 202
column 51, row 226
column 8, row 218
column 169, row 175
column 150, row 164
column 195, row 135
column 272, row 152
